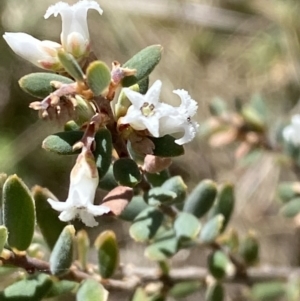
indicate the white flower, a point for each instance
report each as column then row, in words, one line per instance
column 181, row 120
column 146, row 110
column 83, row 184
column 39, row 53
column 291, row 133
column 74, row 37
column 160, row 119
column 75, row 34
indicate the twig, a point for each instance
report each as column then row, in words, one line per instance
column 132, row 276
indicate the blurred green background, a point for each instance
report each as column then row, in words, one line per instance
column 231, row 49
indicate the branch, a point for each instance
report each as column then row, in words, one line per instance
column 131, row 276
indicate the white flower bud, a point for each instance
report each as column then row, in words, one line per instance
column 40, row 53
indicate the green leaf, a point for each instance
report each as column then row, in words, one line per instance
column 292, row 208
column 225, row 203
column 31, row 289
column 288, row 190
column 70, row 64
column 214, row 292
column 159, row 195
column 61, row 287
column 91, row 290
column 144, row 85
column 124, row 103
column 18, row 213
column 249, row 248
column 166, row 147
column 163, row 247
column 62, row 254
column 39, row 84
column 146, row 224
column 201, row 199
column 220, row 265
column 108, row 253
column 144, row 62
column 218, row 107
column 83, row 247
column 108, row 182
column 3, row 237
column 184, row 289
column 157, row 179
column 98, row 77
column 126, row 172
column 62, row 143
column 71, row 126
column 134, row 208
column 46, row 216
column 103, row 151
column 177, row 185
column 212, row 229
column 186, row 226
column 269, row 291
column 139, row 295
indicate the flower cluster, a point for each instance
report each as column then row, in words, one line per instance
column 160, row 119
column 143, row 115
column 74, row 36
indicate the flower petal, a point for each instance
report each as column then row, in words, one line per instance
column 59, row 206
column 74, row 20
column 136, row 98
column 97, row 209
column 87, row 218
column 68, row 215
column 152, row 95
column 32, row 49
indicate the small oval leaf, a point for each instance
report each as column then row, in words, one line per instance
column 108, row 253
column 98, row 77
column 186, row 226
column 201, row 199
column 39, row 84
column 166, row 147
column 18, row 213
column 225, row 203
column 62, row 143
column 214, row 292
column 70, row 64
column 134, row 208
column 146, row 224
column 62, row 254
column 249, row 248
column 177, row 185
column 3, row 237
column 144, row 62
column 220, row 265
column 46, row 216
column 103, row 151
column 126, row 172
column 91, row 290
column 162, row 248
column 212, row 229
column 292, row 208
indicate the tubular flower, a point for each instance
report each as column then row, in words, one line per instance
column 291, row 133
column 147, row 112
column 75, row 34
column 84, row 180
column 40, row 53
column 181, row 120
